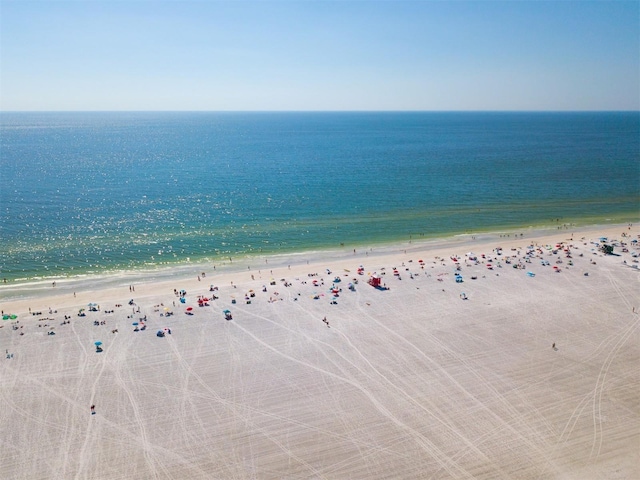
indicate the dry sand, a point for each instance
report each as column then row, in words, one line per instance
column 412, row 382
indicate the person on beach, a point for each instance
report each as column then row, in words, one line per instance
column 93, row 409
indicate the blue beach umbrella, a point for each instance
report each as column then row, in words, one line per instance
column 97, row 344
column 134, row 323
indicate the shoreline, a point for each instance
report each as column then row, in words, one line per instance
column 185, row 273
column 160, row 270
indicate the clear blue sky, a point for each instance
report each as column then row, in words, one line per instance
column 317, row 55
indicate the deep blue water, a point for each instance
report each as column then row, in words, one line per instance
column 93, row 192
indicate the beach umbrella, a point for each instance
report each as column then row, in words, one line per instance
column 5, row 317
column 134, row 323
column 97, row 344
column 226, row 311
column 189, row 309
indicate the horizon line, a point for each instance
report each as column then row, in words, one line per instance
column 325, row 111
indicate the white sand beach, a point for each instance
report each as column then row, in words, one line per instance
column 532, row 376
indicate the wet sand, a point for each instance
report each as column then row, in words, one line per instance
column 409, row 382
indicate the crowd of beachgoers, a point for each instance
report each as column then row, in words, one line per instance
column 327, row 285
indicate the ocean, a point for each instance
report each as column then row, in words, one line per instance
column 93, row 193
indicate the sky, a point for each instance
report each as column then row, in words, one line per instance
column 311, row 55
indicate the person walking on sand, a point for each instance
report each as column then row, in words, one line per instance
column 93, row 409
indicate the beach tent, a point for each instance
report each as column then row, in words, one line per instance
column 375, row 280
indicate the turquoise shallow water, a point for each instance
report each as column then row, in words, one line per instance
column 97, row 192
